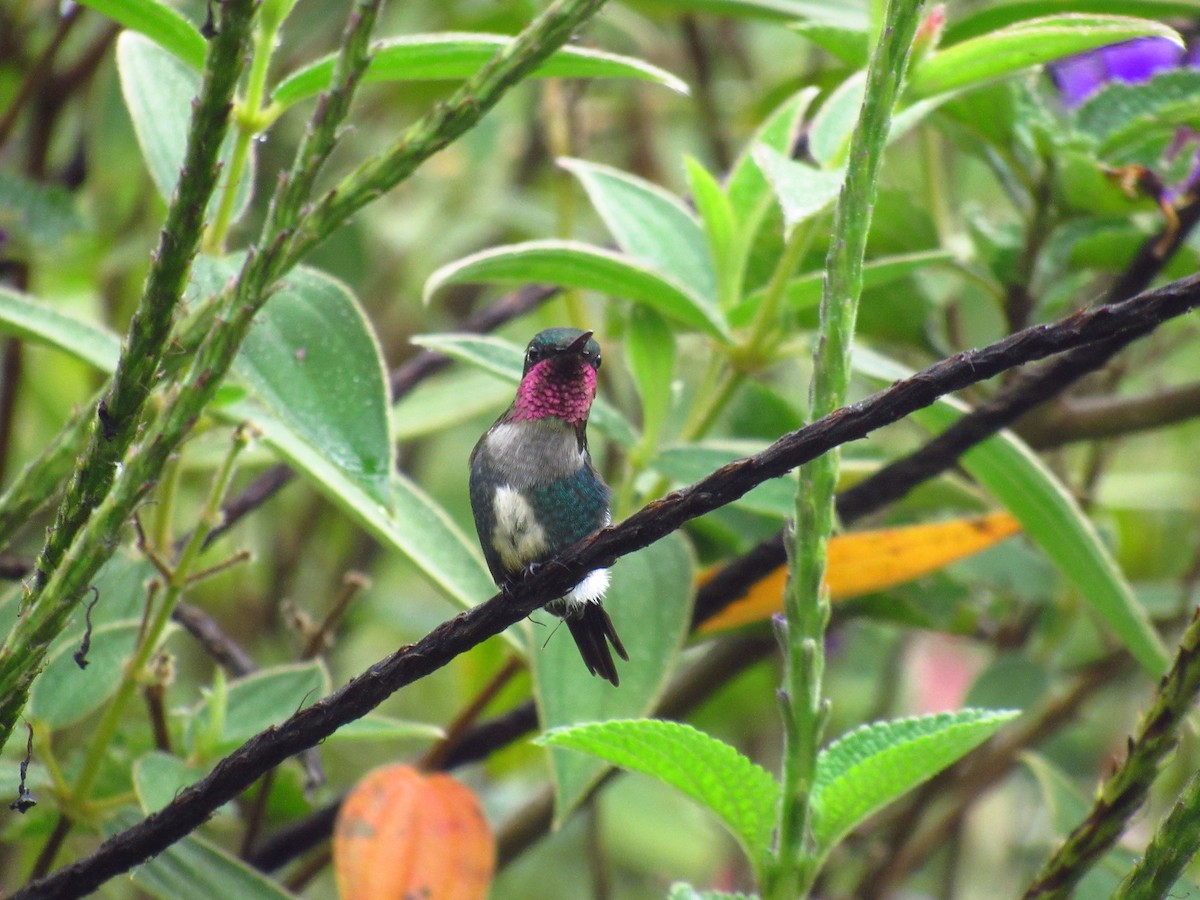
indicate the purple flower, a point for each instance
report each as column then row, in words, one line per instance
column 1139, row 60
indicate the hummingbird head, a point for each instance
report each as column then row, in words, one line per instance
column 559, row 377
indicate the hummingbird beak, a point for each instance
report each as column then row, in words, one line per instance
column 577, row 345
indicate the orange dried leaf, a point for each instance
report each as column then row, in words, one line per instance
column 402, row 834
column 867, row 561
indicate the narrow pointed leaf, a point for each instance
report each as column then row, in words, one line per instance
column 651, row 225
column 160, row 23
column 871, row 766
column 576, row 265
column 159, row 88
column 720, row 228
column 740, row 793
column 1022, row 45
column 803, row 190
column 804, row 291
column 25, row 317
column 747, row 187
column 456, row 56
column 650, row 349
column 862, row 562
column 1048, row 514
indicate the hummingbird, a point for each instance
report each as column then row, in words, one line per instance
column 535, row 491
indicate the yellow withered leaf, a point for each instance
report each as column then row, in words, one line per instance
column 867, row 561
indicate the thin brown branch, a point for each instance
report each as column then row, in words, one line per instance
column 1093, row 418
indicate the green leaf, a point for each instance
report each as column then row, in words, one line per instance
column 160, row 23
column 1022, row 45
column 829, row 133
column 848, row 44
column 650, row 602
column 680, row 891
column 454, row 56
column 803, row 190
column 770, row 10
column 973, row 22
column 158, row 89
column 419, row 527
column 194, row 869
column 506, row 360
column 35, row 216
column 650, row 350
column 258, row 701
column 741, row 794
column 689, row 463
column 871, row 766
column 158, row 777
column 64, row 693
column 1048, row 514
column 720, row 228
column 446, row 400
column 650, row 225
column 24, row 317
column 577, row 265
column 1120, row 114
column 313, row 362
column 804, row 291
column 747, row 186
column 376, row 727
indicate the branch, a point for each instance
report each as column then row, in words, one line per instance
column 1092, row 418
column 1123, row 793
column 119, row 413
column 653, row 522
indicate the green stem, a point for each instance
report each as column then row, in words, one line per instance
column 1173, row 846
column 251, row 119
column 766, row 319
column 1123, row 793
column 806, row 602
column 152, row 636
column 41, row 477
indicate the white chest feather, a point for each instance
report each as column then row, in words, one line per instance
column 517, row 537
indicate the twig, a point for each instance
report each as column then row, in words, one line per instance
column 440, row 752
column 1122, row 321
column 24, row 801
column 85, row 645
column 1123, row 793
column 1092, row 418
column 219, row 645
column 352, row 583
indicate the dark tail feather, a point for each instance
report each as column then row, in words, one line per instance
column 593, row 631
